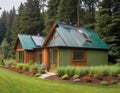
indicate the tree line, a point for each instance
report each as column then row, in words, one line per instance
column 37, row 16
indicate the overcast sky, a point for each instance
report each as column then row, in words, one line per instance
column 8, row 4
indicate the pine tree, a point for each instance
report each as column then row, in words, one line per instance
column 51, row 14
column 107, row 26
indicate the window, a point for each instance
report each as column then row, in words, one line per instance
column 78, row 54
column 85, row 36
column 21, row 56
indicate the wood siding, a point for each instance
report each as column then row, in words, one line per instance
column 28, row 56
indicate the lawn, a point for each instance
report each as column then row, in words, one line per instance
column 11, row 82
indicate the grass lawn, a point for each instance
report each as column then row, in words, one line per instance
column 11, row 82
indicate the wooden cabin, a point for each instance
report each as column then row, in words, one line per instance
column 27, row 48
column 77, row 46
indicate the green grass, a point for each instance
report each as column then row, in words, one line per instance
column 11, row 82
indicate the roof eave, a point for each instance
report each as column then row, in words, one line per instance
column 50, row 34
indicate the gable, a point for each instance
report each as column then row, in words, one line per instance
column 19, row 46
column 70, row 36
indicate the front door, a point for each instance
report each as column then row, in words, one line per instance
column 53, row 58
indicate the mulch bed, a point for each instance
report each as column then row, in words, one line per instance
column 93, row 80
column 28, row 73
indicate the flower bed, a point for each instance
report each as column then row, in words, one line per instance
column 100, row 75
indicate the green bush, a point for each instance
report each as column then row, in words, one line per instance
column 1, row 63
column 65, row 77
column 34, row 67
column 76, row 76
column 60, row 71
column 31, row 62
column 41, row 70
column 104, row 83
column 20, row 65
column 113, row 81
column 10, row 63
column 70, row 70
column 81, row 71
column 113, row 71
column 25, row 67
column 91, row 71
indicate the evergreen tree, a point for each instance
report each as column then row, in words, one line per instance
column 107, row 26
column 51, row 14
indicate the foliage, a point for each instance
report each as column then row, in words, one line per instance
column 9, row 63
column 41, row 70
column 66, row 76
column 76, row 76
column 70, row 70
column 113, row 71
column 113, row 81
column 19, row 66
column 81, row 71
column 26, row 67
column 104, row 83
column 31, row 62
column 107, row 26
column 93, row 71
column 34, row 67
column 97, row 76
column 60, row 71
column 43, row 66
column 1, row 62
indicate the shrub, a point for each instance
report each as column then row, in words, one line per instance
column 70, row 70
column 37, row 75
column 80, row 71
column 113, row 81
column 30, row 62
column 34, row 67
column 41, row 70
column 1, row 63
column 104, row 83
column 60, row 71
column 10, row 63
column 97, row 76
column 65, row 77
column 25, row 67
column 91, row 71
column 76, row 76
column 113, row 71
column 19, row 66
column 43, row 66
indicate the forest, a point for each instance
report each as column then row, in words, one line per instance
column 35, row 17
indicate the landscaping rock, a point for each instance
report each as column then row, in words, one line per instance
column 76, row 80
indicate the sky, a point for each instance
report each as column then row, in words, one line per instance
column 8, row 4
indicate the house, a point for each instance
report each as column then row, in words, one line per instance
column 70, row 45
column 27, row 48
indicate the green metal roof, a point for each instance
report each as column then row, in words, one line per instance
column 71, row 36
column 29, row 42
